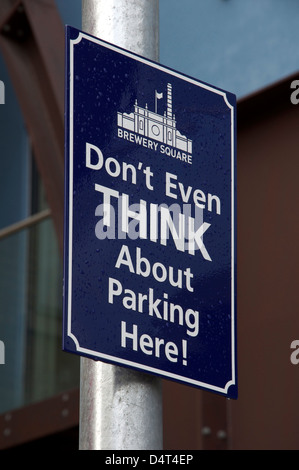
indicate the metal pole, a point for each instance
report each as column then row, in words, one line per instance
column 121, row 409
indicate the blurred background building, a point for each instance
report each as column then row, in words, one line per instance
column 246, row 47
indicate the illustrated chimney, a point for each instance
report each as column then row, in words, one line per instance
column 169, row 101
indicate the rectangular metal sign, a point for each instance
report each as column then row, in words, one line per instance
column 150, row 255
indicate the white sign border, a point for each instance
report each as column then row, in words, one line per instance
column 106, row 357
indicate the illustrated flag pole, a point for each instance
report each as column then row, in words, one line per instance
column 158, row 96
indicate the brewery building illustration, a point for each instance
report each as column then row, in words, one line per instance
column 159, row 127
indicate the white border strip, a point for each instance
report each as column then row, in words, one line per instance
column 73, row 42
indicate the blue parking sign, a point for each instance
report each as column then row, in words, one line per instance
column 150, row 217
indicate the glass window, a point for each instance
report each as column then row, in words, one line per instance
column 35, row 366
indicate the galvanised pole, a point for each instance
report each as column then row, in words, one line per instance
column 121, row 409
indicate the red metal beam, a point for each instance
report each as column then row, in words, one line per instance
column 40, row 419
column 32, row 44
